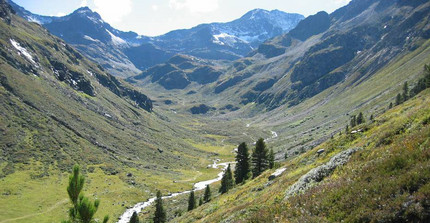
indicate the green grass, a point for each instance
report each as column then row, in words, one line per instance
column 373, row 186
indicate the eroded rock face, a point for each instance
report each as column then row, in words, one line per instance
column 319, row 173
column 6, row 11
column 74, row 79
column 119, row 89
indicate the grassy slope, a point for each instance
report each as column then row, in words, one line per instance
column 387, row 181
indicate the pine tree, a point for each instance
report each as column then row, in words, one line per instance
column 347, row 129
column 360, row 118
column 226, row 181
column 83, row 209
column 398, row 99
column 201, row 201
column 241, row 173
column 191, row 201
column 371, row 117
column 259, row 158
column 160, row 213
column 427, row 75
column 271, row 159
column 405, row 95
column 208, row 195
column 134, row 218
column 390, row 106
column 353, row 121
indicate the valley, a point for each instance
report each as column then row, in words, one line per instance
column 145, row 114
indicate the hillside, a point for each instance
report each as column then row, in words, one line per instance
column 378, row 172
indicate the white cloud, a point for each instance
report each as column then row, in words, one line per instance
column 154, row 8
column 195, row 5
column 61, row 14
column 83, row 3
column 113, row 11
column 341, row 2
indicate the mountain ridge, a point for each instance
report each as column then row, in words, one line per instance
column 131, row 52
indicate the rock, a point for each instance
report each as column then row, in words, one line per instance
column 319, row 173
column 160, row 150
column 201, row 109
column 277, row 173
column 129, row 174
column 319, row 152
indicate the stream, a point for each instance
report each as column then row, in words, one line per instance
column 125, row 217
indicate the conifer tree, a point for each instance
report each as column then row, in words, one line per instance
column 134, row 218
column 226, row 181
column 427, row 75
column 259, row 158
column 390, row 106
column 208, row 195
column 201, row 201
column 371, row 117
column 398, row 99
column 160, row 213
column 83, row 209
column 241, row 173
column 360, row 118
column 405, row 95
column 353, row 121
column 347, row 129
column 271, row 159
column 191, row 201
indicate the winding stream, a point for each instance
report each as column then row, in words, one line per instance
column 125, row 218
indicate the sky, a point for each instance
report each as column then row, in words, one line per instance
column 156, row 17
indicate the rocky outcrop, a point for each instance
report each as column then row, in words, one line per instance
column 74, row 79
column 201, row 109
column 319, row 173
column 6, row 11
column 115, row 86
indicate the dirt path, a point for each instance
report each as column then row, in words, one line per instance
column 53, row 207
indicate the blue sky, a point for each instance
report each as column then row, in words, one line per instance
column 156, row 17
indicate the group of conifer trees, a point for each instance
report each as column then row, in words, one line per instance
column 422, row 84
column 247, row 166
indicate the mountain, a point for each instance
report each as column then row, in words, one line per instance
column 85, row 30
column 347, row 46
column 179, row 72
column 126, row 53
column 230, row 40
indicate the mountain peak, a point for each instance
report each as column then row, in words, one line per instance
column 87, row 12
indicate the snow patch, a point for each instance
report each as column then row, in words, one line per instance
column 224, row 39
column 90, row 39
column 116, row 40
column 22, row 51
